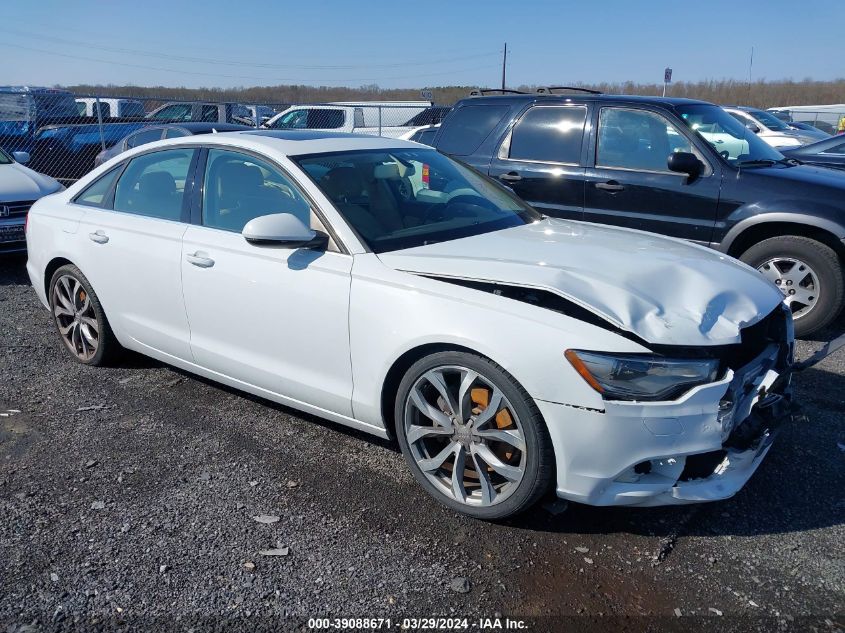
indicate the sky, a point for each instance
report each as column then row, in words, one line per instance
column 420, row 43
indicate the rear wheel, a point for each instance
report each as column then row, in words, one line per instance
column 79, row 318
column 807, row 272
column 473, row 437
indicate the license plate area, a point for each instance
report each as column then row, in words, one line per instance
column 12, row 233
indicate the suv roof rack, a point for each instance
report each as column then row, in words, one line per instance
column 547, row 90
column 480, row 92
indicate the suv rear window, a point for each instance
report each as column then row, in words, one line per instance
column 465, row 129
column 549, row 134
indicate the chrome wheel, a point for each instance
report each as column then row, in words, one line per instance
column 796, row 280
column 75, row 317
column 465, row 436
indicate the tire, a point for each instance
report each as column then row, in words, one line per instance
column 526, row 458
column 820, row 261
column 82, row 325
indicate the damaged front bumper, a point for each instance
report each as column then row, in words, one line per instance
column 702, row 447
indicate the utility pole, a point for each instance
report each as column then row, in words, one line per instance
column 504, row 63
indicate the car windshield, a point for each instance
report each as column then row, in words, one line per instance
column 402, row 198
column 769, row 120
column 5, row 159
column 731, row 139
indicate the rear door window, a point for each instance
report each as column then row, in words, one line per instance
column 551, row 134
column 143, row 137
column 153, row 184
column 175, row 132
column 96, row 193
column 466, row 128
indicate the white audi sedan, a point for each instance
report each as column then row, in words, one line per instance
column 387, row 287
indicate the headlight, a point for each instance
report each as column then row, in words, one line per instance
column 618, row 377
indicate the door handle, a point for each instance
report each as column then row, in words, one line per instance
column 99, row 236
column 610, row 185
column 200, row 259
column 511, row 176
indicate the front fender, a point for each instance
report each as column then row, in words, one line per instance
column 819, row 216
column 392, row 312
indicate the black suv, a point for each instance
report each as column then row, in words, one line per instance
column 678, row 167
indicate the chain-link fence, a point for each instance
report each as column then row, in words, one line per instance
column 830, row 119
column 66, row 135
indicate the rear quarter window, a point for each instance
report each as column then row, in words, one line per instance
column 466, row 128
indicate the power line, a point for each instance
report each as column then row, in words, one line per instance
column 219, row 75
column 229, row 62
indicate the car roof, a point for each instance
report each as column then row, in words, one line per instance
column 581, row 98
column 206, row 126
column 293, row 142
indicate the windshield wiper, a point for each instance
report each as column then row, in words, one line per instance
column 757, row 162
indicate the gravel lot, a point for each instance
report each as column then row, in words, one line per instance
column 127, row 498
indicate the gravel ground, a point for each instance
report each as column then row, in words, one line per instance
column 128, row 498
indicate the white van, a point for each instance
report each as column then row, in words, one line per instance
column 379, row 118
column 110, row 108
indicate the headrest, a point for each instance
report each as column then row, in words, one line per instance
column 388, row 171
column 157, row 182
column 244, row 177
column 343, row 181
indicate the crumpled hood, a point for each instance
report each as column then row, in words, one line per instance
column 18, row 183
column 663, row 290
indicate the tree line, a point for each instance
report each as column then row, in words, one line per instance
column 761, row 93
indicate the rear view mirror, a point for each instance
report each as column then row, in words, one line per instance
column 282, row 229
column 21, row 157
column 753, row 128
column 685, row 163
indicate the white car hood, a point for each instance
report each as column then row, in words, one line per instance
column 19, row 183
column 663, row 290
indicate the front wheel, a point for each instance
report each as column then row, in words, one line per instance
column 473, row 437
column 807, row 272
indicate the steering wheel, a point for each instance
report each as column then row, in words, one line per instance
column 465, row 206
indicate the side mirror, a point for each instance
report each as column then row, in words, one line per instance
column 753, row 128
column 283, row 229
column 685, row 163
column 21, row 157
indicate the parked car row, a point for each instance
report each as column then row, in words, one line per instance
column 686, row 169
column 151, row 133
column 775, row 132
column 387, row 118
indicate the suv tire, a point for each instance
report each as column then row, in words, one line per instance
column 774, row 258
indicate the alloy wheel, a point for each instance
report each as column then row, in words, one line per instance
column 75, row 317
column 796, row 280
column 465, row 436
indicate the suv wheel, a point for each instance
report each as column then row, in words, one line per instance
column 807, row 272
column 473, row 437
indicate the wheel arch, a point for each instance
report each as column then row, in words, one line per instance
column 746, row 234
column 401, row 365
column 52, row 266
